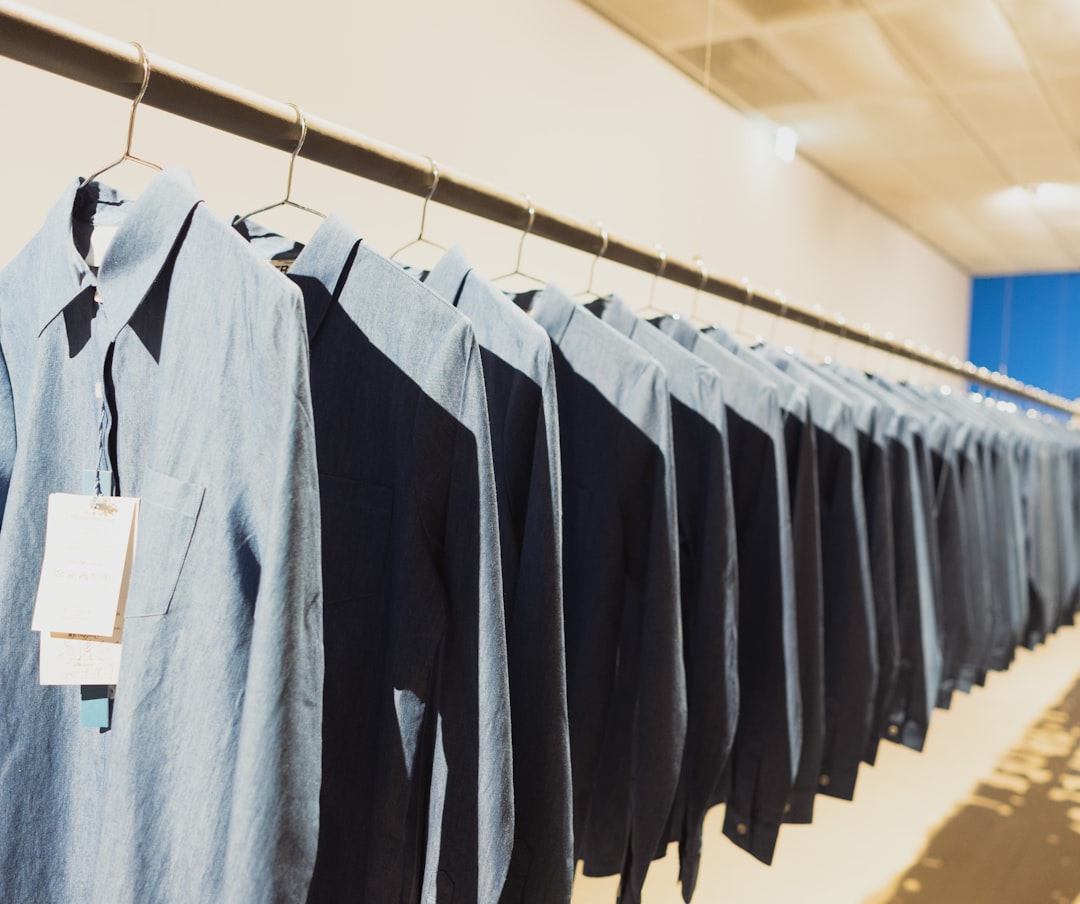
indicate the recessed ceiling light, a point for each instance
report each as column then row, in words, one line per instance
column 787, row 140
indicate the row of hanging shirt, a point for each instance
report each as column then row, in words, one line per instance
column 432, row 598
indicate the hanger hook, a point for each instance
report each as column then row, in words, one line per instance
column 525, row 234
column 430, row 195
column 780, row 315
column 661, row 255
column 302, row 120
column 144, row 61
column 599, row 254
column 701, row 285
column 748, row 288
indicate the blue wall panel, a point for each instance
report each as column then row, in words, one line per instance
column 1029, row 326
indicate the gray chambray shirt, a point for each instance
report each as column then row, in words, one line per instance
column 206, row 787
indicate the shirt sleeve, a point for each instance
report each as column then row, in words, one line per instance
column 274, row 814
column 709, row 573
column 471, row 808
column 542, row 866
column 660, row 711
column 768, row 740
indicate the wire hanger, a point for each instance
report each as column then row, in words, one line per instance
column 421, row 239
column 517, row 271
column 127, row 155
column 698, row 290
column 748, row 289
column 650, row 308
column 287, row 201
column 780, row 315
column 589, row 290
column 841, row 321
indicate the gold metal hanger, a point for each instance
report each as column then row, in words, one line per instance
column 779, row 315
column 697, row 292
column 287, row 201
column 421, row 239
column 127, row 155
column 517, row 271
column 589, row 290
column 650, row 308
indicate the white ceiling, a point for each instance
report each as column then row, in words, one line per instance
column 944, row 113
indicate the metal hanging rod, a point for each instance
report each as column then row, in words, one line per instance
column 64, row 48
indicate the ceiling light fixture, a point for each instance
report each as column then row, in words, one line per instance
column 787, row 141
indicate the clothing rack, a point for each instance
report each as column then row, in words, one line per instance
column 64, row 48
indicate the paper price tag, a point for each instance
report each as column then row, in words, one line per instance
column 78, row 659
column 89, row 546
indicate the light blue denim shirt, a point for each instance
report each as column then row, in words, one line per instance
column 206, row 786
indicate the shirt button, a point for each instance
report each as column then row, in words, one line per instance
column 787, row 809
column 824, row 781
column 741, row 828
column 894, row 730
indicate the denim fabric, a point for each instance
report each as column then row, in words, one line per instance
column 999, row 553
column 206, row 786
column 801, row 451
column 417, row 794
column 626, row 687
column 915, row 535
column 768, row 738
column 708, row 570
column 874, row 426
column 851, row 643
column 519, row 375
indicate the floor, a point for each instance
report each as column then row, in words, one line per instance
column 1016, row 837
column 989, row 813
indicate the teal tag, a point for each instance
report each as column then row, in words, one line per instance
column 96, row 707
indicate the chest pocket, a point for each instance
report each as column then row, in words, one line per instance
column 356, row 519
column 168, row 510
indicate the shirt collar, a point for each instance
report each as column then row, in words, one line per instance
column 147, row 230
column 326, row 257
column 553, row 309
column 448, row 276
column 618, row 314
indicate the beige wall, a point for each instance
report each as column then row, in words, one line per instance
column 545, row 97
column 538, row 96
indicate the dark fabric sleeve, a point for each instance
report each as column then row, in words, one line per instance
column 769, row 734
column 542, row 865
column 851, row 655
column 470, row 814
column 655, row 629
column 802, row 463
column 708, row 571
column 879, row 520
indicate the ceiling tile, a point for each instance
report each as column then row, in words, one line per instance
column 773, row 10
column 1050, row 158
column 1048, row 29
column 889, row 185
column 914, row 124
column 751, row 72
column 674, row 23
column 1007, row 109
column 958, row 175
column 956, row 41
column 843, row 56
